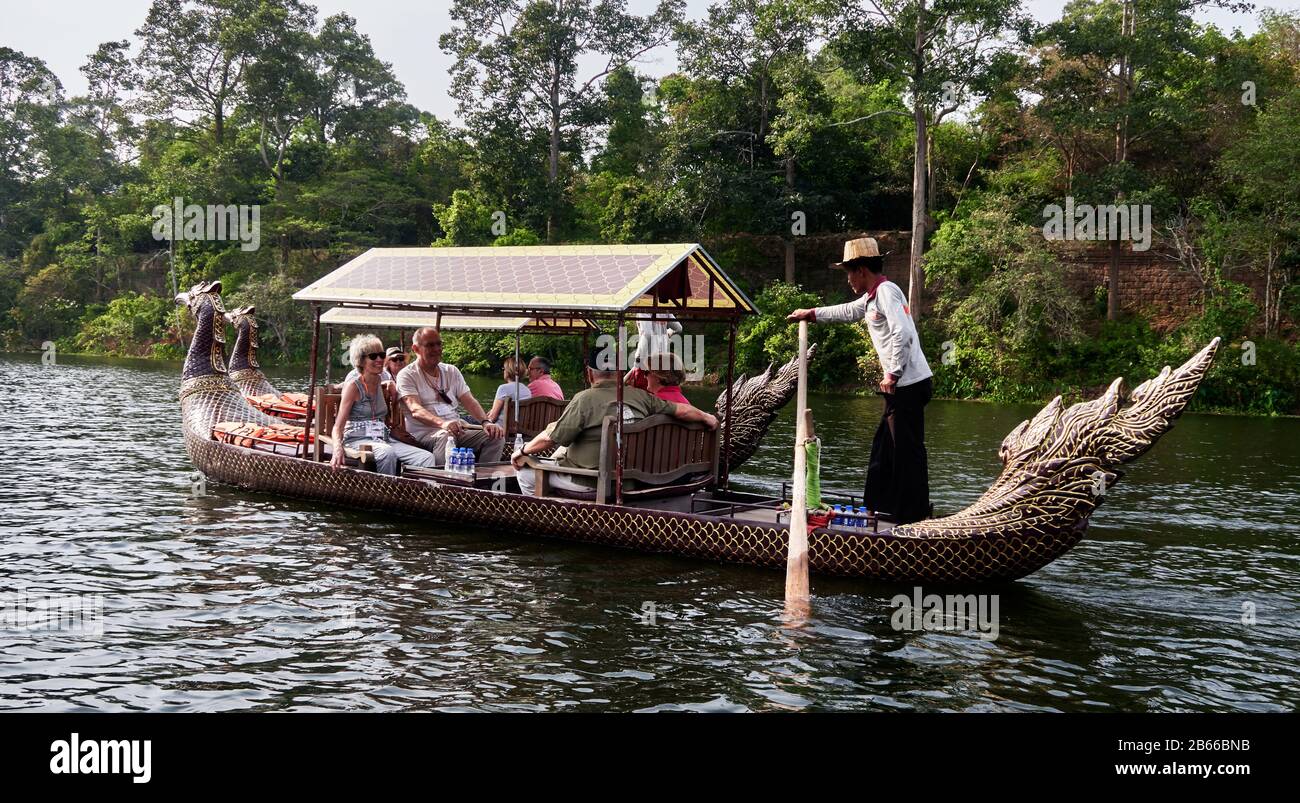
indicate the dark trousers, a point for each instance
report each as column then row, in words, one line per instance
column 898, row 476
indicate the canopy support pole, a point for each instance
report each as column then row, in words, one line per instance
column 725, row 479
column 516, row 379
column 329, row 352
column 311, row 392
column 618, row 423
column 582, row 358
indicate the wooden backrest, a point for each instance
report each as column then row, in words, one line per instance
column 660, row 449
column 326, row 410
column 326, row 407
column 534, row 415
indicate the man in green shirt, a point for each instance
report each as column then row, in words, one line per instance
column 578, row 427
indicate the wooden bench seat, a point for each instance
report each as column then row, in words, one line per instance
column 662, row 456
column 326, row 410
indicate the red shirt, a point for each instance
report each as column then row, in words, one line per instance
column 672, row 393
column 545, row 386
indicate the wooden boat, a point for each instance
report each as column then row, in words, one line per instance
column 1057, row 465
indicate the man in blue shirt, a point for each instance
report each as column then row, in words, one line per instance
column 898, row 481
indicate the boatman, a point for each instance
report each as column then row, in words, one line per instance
column 898, row 481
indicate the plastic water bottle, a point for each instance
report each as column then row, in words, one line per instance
column 470, row 457
column 862, row 517
column 449, row 461
column 839, row 515
column 519, row 443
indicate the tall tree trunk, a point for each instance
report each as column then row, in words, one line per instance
column 931, row 181
column 1121, row 153
column 915, row 276
column 553, row 176
column 789, row 239
column 1268, row 292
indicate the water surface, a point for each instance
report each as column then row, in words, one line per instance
column 239, row 601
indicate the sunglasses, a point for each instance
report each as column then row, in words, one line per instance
column 376, row 355
column 398, row 358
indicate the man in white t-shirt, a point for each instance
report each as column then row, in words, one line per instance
column 429, row 390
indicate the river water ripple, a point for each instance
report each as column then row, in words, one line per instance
column 237, row 601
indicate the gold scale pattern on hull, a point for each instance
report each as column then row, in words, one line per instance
column 1036, row 510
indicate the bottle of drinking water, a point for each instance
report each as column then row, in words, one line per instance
column 470, row 457
column 839, row 515
column 519, row 443
column 861, row 517
column 449, row 458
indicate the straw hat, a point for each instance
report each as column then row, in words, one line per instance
column 859, row 249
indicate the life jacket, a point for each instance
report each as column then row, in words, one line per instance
column 287, row 405
column 242, row 433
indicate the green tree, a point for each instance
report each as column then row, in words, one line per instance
column 30, row 96
column 192, row 61
column 1261, row 170
column 521, row 58
column 939, row 52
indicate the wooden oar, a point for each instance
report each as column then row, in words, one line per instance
column 797, row 605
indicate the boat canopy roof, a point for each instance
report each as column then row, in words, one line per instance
column 378, row 318
column 532, row 281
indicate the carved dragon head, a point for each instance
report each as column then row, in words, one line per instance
column 756, row 401
column 244, row 354
column 207, row 354
column 1058, row 465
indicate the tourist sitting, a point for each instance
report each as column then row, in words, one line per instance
column 579, row 426
column 394, row 361
column 512, row 391
column 429, row 390
column 540, row 382
column 362, row 410
column 665, row 376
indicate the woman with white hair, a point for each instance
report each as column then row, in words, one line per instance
column 362, row 410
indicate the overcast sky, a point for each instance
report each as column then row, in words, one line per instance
column 404, row 32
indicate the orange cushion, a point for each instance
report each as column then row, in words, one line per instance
column 285, row 405
column 243, row 433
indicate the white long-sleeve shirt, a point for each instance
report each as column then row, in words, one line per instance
column 893, row 334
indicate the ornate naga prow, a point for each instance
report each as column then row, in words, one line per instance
column 207, row 355
column 1058, row 465
column 245, row 372
column 207, row 394
column 756, row 401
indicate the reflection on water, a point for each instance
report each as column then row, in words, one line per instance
column 240, row 601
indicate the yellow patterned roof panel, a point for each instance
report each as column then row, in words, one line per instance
column 606, row 278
